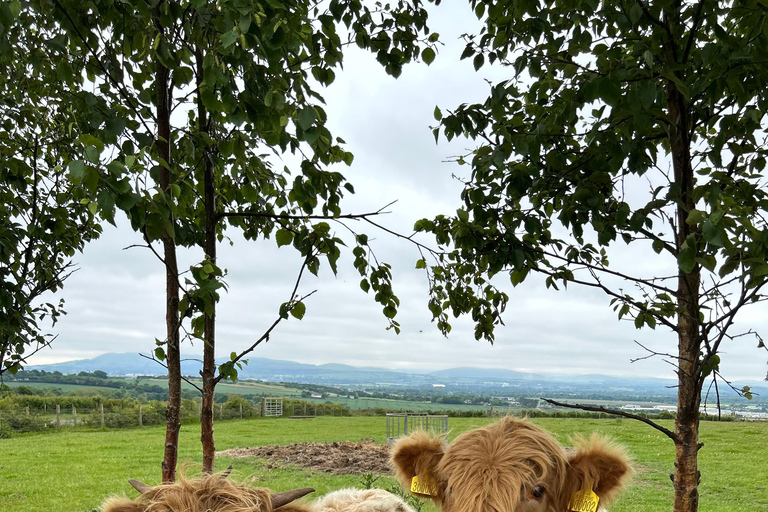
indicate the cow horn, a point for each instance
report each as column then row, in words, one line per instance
column 226, row 473
column 139, row 486
column 284, row 498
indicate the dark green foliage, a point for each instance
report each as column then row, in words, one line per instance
column 578, row 138
column 251, row 70
column 44, row 223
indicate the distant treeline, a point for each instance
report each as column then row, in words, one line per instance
column 124, row 388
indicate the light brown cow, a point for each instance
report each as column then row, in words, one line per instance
column 511, row 466
column 353, row 500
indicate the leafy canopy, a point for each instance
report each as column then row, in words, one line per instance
column 242, row 83
column 581, row 150
column 44, row 223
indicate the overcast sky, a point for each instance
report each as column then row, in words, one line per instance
column 115, row 302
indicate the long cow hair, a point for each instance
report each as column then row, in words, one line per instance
column 208, row 493
column 510, row 466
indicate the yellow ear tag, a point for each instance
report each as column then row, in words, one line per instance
column 584, row 500
column 423, row 488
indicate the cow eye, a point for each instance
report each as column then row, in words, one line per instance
column 538, row 492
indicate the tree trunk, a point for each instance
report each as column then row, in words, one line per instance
column 209, row 362
column 686, row 477
column 172, row 352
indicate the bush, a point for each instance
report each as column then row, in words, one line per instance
column 22, row 422
column 5, row 431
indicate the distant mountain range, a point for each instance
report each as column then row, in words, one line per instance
column 272, row 370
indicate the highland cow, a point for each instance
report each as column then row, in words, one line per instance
column 210, row 493
column 511, row 466
column 215, row 493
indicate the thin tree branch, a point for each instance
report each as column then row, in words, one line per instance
column 265, row 336
column 350, row 216
column 694, row 29
column 658, row 427
column 152, row 358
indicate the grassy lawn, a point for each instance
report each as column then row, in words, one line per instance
column 239, row 388
column 73, row 471
column 85, row 390
column 393, row 404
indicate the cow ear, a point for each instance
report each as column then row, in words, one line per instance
column 600, row 464
column 122, row 505
column 417, row 455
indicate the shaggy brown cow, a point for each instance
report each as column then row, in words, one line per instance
column 511, row 466
column 216, row 494
column 212, row 493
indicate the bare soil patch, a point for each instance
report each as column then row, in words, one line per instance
column 339, row 458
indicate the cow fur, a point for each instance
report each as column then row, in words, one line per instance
column 216, row 494
column 353, row 500
column 203, row 494
column 501, row 468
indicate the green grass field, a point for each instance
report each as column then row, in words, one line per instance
column 84, row 390
column 372, row 403
column 74, row 471
column 239, row 388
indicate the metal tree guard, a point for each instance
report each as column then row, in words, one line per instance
column 400, row 424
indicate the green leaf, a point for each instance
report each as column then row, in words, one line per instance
column 421, row 263
column 229, row 38
column 647, row 93
column 182, row 75
column 711, row 364
column 428, row 55
column 298, row 310
column 695, row 217
column 15, row 8
column 686, row 260
column 283, row 237
column 76, row 170
column 478, row 61
column 92, row 154
column 437, row 113
column 306, row 118
column 714, row 235
column 160, row 353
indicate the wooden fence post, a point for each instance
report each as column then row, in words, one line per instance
column 141, row 423
column 101, row 410
column 221, row 411
column 263, row 406
column 74, row 415
column 241, row 411
column 58, row 416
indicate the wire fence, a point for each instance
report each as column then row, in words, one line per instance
column 126, row 414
